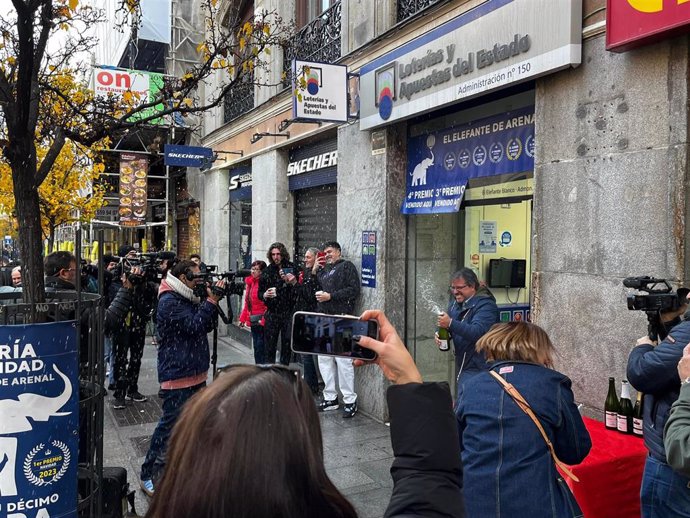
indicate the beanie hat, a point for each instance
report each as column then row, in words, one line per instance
column 124, row 250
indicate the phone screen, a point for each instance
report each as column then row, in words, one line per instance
column 314, row 333
column 287, row 271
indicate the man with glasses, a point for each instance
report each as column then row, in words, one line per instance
column 60, row 269
column 471, row 313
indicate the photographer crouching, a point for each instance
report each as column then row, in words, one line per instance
column 183, row 353
column 652, row 369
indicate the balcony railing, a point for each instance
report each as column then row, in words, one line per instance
column 407, row 8
column 238, row 100
column 319, row 40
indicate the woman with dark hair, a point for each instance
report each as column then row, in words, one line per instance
column 252, row 315
column 508, row 467
column 250, row 471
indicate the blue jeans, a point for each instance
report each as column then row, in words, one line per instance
column 109, row 359
column 173, row 401
column 310, row 377
column 258, row 343
column 664, row 493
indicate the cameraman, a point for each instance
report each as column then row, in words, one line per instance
column 652, row 369
column 130, row 310
column 183, row 354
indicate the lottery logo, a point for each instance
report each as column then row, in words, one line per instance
column 313, row 80
column 385, row 90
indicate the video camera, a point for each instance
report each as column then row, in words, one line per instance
column 211, row 275
column 148, row 262
column 656, row 301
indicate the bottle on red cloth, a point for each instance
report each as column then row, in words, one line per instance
column 637, row 415
column 611, row 407
column 625, row 411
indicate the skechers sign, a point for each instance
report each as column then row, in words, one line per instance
column 632, row 23
column 441, row 163
column 498, row 43
column 313, row 163
column 187, row 156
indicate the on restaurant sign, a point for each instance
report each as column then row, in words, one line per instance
column 633, row 23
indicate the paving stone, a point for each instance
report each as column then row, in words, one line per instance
column 141, row 444
column 149, row 411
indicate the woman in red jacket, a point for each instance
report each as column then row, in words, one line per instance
column 253, row 313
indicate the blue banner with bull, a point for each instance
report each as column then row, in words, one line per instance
column 441, row 162
column 39, row 409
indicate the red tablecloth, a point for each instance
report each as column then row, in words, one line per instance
column 611, row 475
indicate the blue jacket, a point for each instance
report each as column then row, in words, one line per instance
column 654, row 371
column 508, row 470
column 482, row 313
column 183, row 326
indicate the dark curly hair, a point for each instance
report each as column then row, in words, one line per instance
column 284, row 254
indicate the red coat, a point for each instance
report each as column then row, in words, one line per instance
column 257, row 305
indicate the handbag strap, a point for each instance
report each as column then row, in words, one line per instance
column 524, row 406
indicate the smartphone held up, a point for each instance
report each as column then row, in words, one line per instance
column 317, row 333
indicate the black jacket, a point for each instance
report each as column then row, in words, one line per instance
column 270, row 278
column 341, row 281
column 654, row 371
column 141, row 303
column 305, row 291
column 427, row 474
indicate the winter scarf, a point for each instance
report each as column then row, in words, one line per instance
column 181, row 288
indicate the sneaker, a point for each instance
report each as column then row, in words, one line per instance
column 135, row 396
column 349, row 410
column 119, row 404
column 326, row 405
column 147, row 487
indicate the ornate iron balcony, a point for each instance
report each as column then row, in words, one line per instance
column 319, row 40
column 239, row 100
column 407, row 8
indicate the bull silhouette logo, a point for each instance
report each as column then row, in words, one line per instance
column 16, row 415
column 419, row 172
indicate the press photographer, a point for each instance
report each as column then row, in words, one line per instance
column 183, row 353
column 652, row 369
column 133, row 295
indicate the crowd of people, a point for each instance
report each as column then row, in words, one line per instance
column 495, row 452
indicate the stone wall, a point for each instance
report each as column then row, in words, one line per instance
column 609, row 202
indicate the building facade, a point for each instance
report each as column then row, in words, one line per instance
column 500, row 135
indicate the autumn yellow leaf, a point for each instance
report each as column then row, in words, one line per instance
column 128, row 97
column 243, row 43
column 73, row 4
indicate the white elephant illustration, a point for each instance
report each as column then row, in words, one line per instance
column 419, row 172
column 17, row 416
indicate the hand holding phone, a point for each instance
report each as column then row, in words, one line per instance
column 393, row 357
column 332, row 335
column 321, row 259
column 288, row 271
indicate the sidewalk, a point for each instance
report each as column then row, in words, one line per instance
column 357, row 451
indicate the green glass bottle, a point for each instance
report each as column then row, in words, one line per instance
column 625, row 410
column 443, row 338
column 611, row 406
column 637, row 415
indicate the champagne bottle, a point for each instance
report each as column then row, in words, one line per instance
column 637, row 415
column 443, row 337
column 625, row 410
column 611, row 407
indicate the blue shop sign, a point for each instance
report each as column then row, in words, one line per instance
column 441, row 163
column 187, row 156
column 39, row 405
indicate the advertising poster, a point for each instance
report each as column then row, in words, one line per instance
column 39, row 405
column 144, row 86
column 369, row 258
column 133, row 182
column 320, row 91
column 487, row 237
column 440, row 163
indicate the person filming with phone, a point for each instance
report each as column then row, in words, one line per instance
column 239, row 413
column 340, row 286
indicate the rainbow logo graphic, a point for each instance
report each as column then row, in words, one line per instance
column 385, row 90
column 313, row 80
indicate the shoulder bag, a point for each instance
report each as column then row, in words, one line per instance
column 573, row 506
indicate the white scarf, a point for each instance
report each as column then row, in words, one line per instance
column 180, row 287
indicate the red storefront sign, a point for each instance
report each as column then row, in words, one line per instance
column 632, row 23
